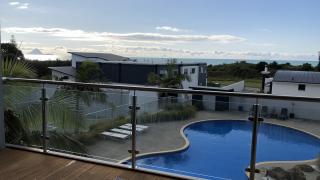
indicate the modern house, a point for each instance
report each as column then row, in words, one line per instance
column 296, row 83
column 118, row 69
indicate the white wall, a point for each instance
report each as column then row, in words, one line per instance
column 287, row 88
column 193, row 77
column 301, row 110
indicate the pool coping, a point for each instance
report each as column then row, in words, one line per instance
column 187, row 142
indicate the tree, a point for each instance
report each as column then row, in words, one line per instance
column 90, row 72
column 171, row 79
column 261, row 65
column 307, row 67
column 11, row 50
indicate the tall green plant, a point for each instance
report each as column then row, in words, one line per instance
column 17, row 68
column 23, row 113
column 171, row 79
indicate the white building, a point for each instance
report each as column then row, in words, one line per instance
column 118, row 69
column 296, row 83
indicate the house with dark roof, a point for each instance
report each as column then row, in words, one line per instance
column 296, row 83
column 119, row 69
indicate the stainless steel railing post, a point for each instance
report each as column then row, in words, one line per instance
column 255, row 119
column 44, row 100
column 133, row 150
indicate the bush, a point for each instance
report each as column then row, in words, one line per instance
column 89, row 137
column 304, row 168
column 296, row 174
column 278, row 173
column 171, row 113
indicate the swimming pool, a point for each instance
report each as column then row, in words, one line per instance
column 221, row 149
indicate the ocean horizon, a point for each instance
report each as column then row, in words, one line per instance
column 224, row 61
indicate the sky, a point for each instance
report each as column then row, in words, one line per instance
column 219, row 29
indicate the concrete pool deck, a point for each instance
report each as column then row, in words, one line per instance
column 165, row 136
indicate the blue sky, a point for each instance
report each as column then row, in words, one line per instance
column 242, row 29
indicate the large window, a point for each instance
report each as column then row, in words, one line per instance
column 301, row 87
column 185, row 71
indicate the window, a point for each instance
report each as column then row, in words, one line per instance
column 301, row 87
column 193, row 70
column 185, row 71
column 162, row 72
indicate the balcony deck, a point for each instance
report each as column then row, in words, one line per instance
column 19, row 164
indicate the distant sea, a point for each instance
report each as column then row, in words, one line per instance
column 223, row 61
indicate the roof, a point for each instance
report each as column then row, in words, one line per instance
column 152, row 63
column 68, row 70
column 308, row 77
column 104, row 56
column 209, row 88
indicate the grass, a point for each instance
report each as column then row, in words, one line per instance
column 224, row 81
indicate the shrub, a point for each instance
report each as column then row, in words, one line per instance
column 278, row 173
column 304, row 168
column 90, row 137
column 171, row 113
column 296, row 174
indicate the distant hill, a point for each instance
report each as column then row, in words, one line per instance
column 36, row 52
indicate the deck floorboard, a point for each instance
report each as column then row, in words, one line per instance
column 19, row 164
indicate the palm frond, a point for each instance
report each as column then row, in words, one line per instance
column 17, row 68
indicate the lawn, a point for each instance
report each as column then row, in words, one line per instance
column 224, row 81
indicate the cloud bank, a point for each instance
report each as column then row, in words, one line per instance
column 81, row 35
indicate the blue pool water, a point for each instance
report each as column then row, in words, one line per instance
column 221, row 149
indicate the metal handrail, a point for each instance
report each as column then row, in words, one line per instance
column 171, row 90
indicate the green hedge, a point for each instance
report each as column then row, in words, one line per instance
column 170, row 113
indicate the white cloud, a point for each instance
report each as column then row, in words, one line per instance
column 80, row 35
column 169, row 28
column 158, row 51
column 14, row 3
column 19, row 5
column 23, row 6
column 144, row 44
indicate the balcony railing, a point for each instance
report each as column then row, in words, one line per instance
column 174, row 131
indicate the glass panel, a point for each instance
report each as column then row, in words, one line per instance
column 200, row 136
column 86, row 122
column 22, row 114
column 288, row 136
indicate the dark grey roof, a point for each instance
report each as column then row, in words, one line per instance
column 104, row 56
column 152, row 63
column 68, row 70
column 297, row 77
column 208, row 88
